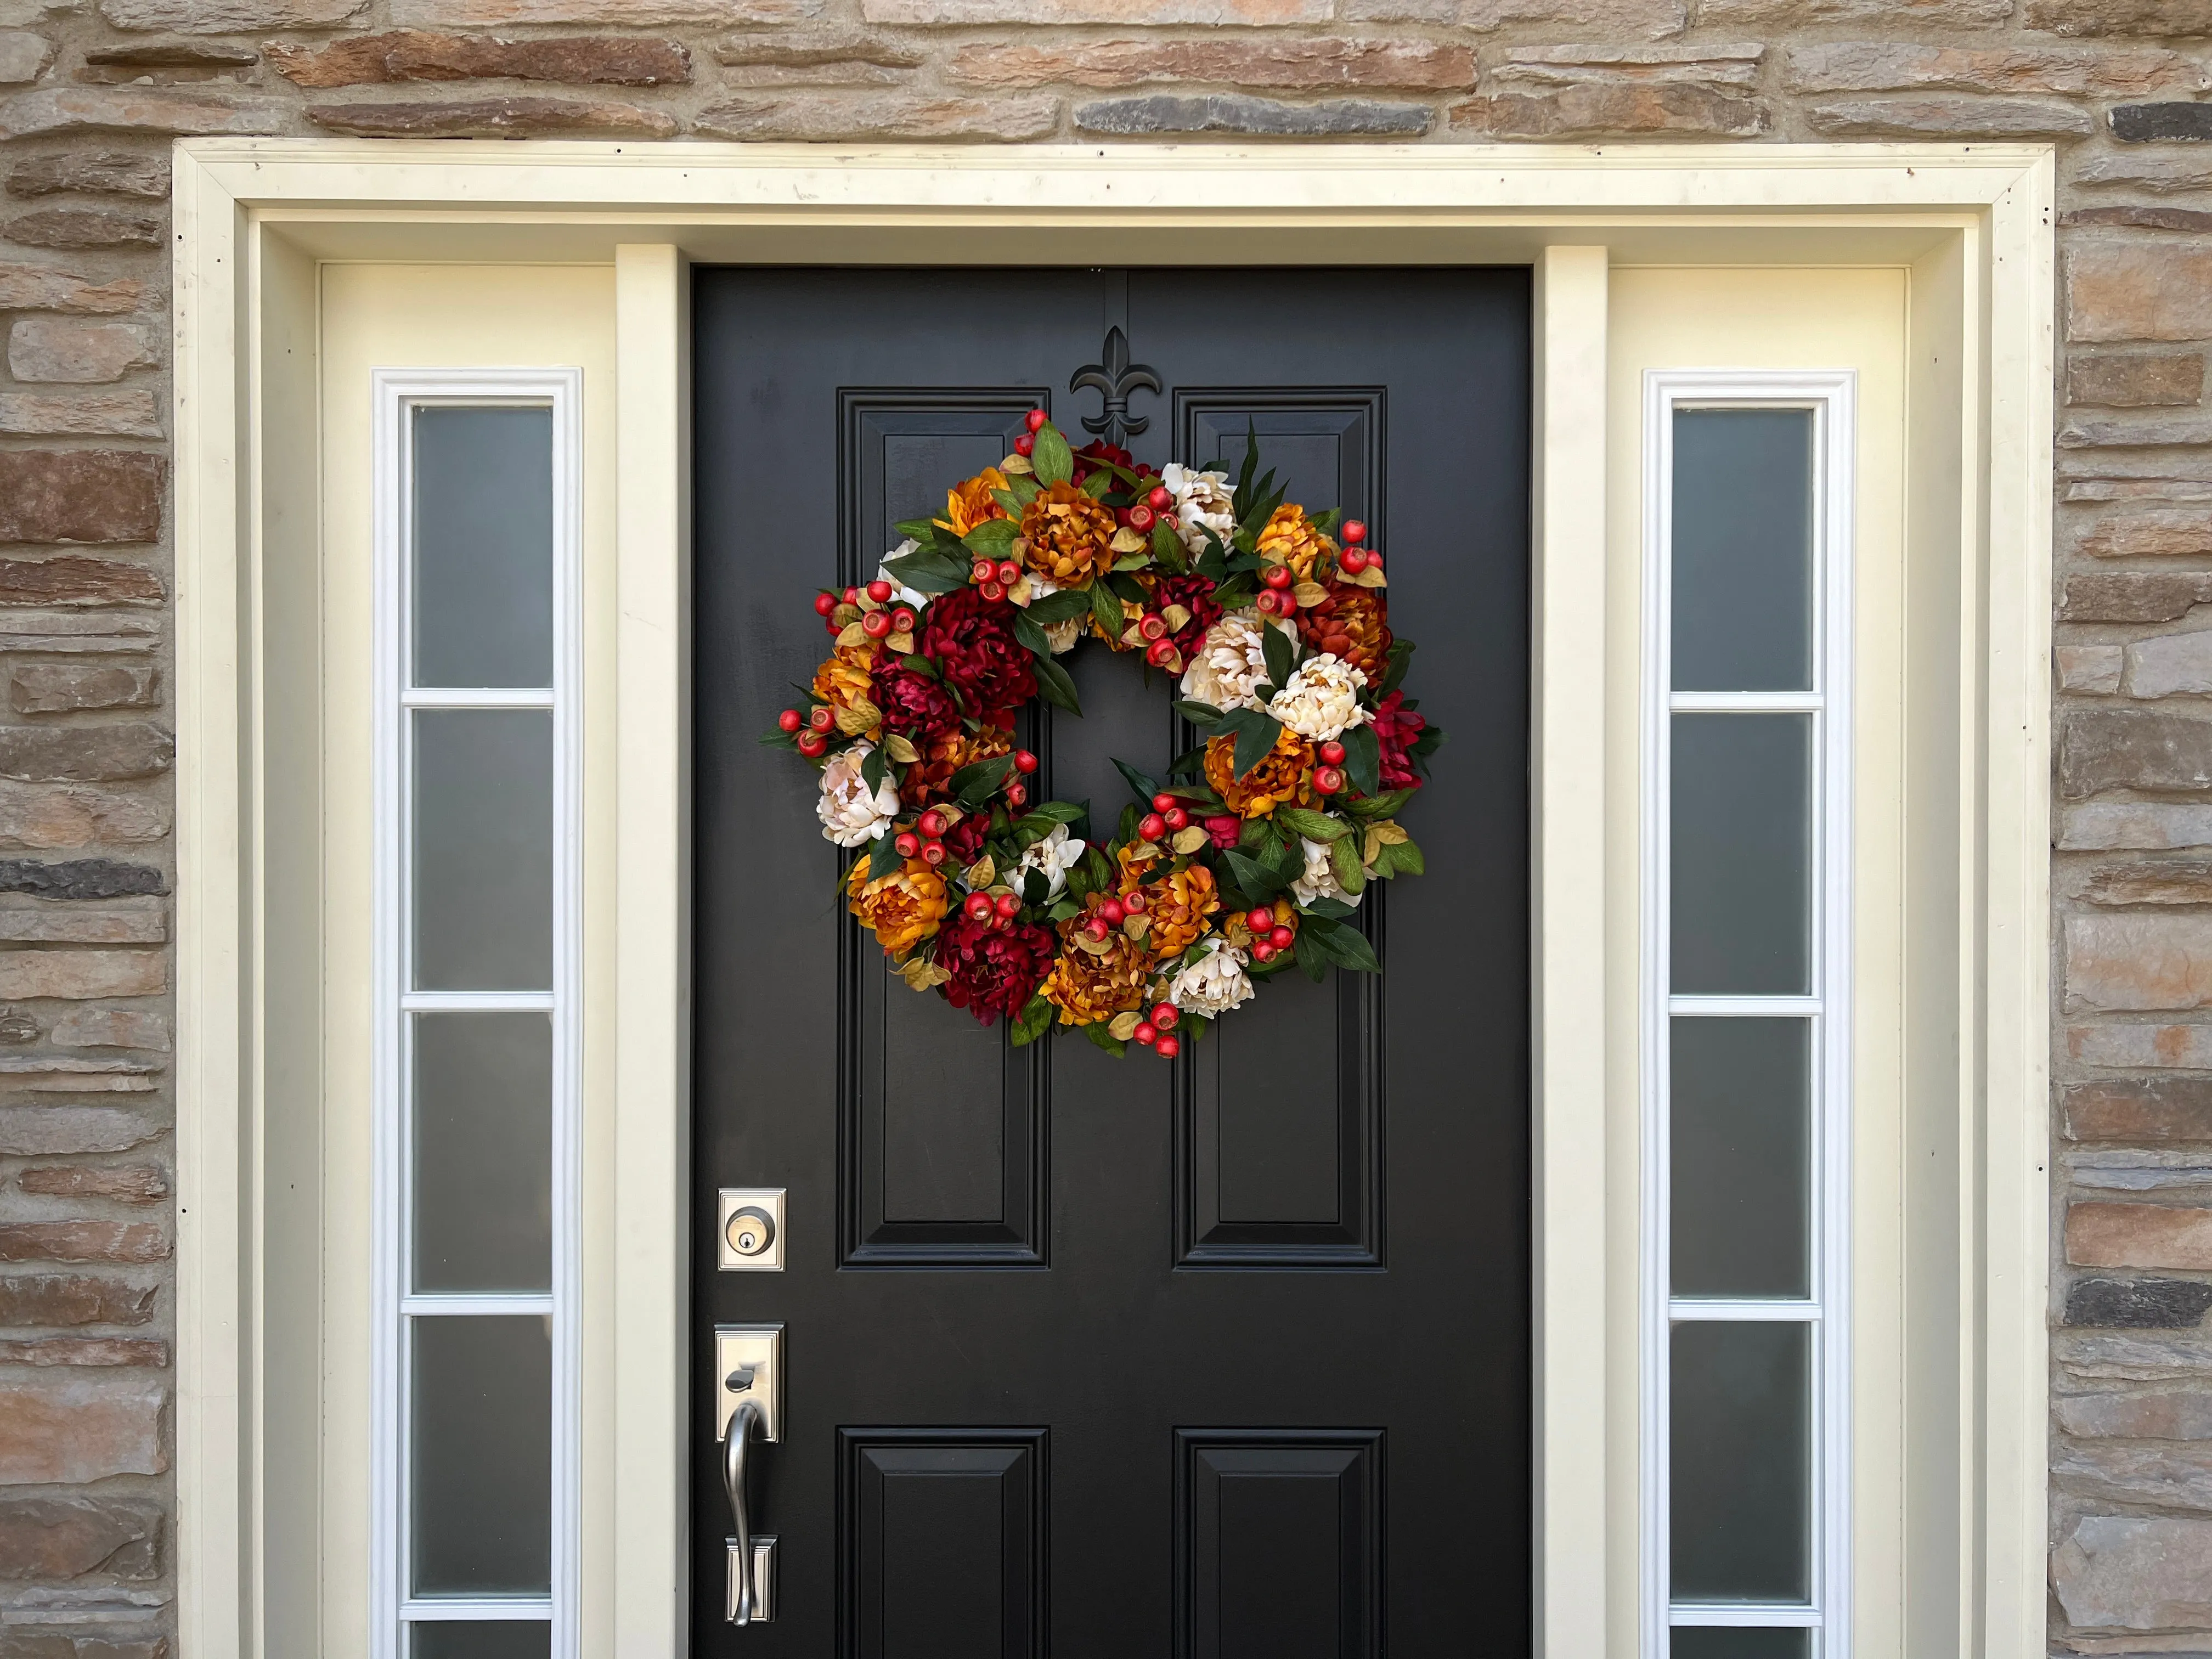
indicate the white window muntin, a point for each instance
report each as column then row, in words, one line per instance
column 1829, row 398
column 397, row 395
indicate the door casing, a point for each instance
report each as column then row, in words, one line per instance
column 1968, row 225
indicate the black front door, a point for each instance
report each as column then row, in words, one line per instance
column 1120, row 1360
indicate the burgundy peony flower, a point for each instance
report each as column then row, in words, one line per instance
column 1100, row 450
column 1195, row 595
column 965, row 840
column 914, row 706
column 995, row 970
column 971, row 640
column 1396, row 730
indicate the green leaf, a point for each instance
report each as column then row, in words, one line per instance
column 1362, row 757
column 872, row 769
column 1129, row 588
column 918, row 664
column 1105, row 1039
column 1058, row 607
column 1063, row 910
column 1343, row 859
column 1190, row 762
column 1232, row 593
column 992, row 538
column 1251, row 464
column 1107, row 607
column 1047, row 813
column 1325, row 522
column 1133, row 561
column 1406, row 858
column 1054, row 685
column 1126, row 831
column 883, row 858
column 1199, row 714
column 977, row 782
column 1168, row 551
column 1054, row 461
column 1313, row 826
column 1097, row 485
column 927, row 573
column 1032, row 636
column 1034, row 887
column 1255, row 880
column 1255, row 734
column 1345, row 946
column 1373, row 809
column 1276, row 649
column 1098, row 868
column 1079, row 884
column 919, row 530
column 1033, row 1022
column 1308, row 952
column 1144, row 787
column 1329, row 909
column 1393, row 667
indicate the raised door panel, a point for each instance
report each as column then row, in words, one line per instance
column 1280, row 1113
column 942, row 1146
column 1279, row 1546
column 941, row 1544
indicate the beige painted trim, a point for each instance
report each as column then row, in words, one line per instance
column 243, row 206
column 1566, row 934
column 653, row 953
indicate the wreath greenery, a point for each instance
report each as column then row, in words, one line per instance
column 1250, row 856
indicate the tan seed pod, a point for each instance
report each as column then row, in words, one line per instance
column 852, row 636
column 1177, row 618
column 1124, row 1025
column 901, row 750
column 902, row 644
column 856, row 718
column 1309, row 594
column 1126, row 540
column 1188, row 838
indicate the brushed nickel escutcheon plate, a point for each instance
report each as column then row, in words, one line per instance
column 749, row 1229
column 759, row 1347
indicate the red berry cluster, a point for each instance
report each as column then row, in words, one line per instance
column 1156, row 1030
column 1167, row 815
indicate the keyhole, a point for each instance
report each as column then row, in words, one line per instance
column 751, row 1232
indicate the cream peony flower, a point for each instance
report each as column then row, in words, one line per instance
column 849, row 814
column 900, row 593
column 1202, row 502
column 1322, row 699
column 1228, row 663
column 1213, row 984
column 1320, row 881
column 1053, row 858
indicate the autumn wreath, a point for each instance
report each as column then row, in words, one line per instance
column 1250, row 858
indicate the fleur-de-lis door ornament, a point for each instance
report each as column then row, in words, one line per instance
column 1114, row 377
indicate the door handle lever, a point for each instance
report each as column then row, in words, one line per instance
column 751, row 1559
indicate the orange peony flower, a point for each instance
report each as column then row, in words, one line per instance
column 842, row 681
column 1287, row 538
column 968, row 504
column 930, row 779
column 904, row 907
column 1179, row 907
column 1087, row 987
column 1350, row 624
column 1067, row 533
column 1283, row 777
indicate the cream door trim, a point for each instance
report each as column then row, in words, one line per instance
column 1970, row 223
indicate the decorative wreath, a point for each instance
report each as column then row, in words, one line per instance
column 1277, row 623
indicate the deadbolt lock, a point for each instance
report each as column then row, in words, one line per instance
column 748, row 1223
column 750, row 1230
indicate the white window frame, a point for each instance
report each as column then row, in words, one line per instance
column 1832, row 398
column 397, row 392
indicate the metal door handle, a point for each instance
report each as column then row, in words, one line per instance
column 744, row 1600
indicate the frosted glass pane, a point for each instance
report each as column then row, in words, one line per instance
column 1740, row 1466
column 484, row 850
column 1743, row 549
column 1718, row 1643
column 1740, row 1109
column 1742, row 828
column 483, row 547
column 483, row 1152
column 483, row 1465
column 485, row 1638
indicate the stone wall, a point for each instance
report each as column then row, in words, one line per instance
column 91, row 91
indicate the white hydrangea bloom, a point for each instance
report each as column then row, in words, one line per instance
column 1230, row 661
column 1319, row 881
column 1213, row 984
column 849, row 814
column 1202, row 502
column 1323, row 698
column 900, row 593
column 1053, row 858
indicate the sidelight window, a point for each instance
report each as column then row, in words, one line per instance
column 1745, row 1026
column 477, row 1023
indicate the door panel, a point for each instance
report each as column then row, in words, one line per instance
column 1263, row 1311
